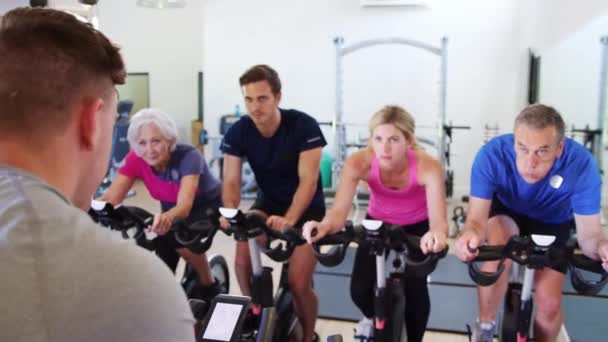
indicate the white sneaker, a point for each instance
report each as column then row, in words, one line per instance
column 365, row 330
column 483, row 331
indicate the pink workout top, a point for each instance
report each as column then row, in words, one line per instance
column 403, row 206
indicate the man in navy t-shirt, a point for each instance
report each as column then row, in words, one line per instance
column 534, row 181
column 283, row 148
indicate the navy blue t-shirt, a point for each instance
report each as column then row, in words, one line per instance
column 572, row 186
column 274, row 160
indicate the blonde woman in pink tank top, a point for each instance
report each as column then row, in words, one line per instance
column 407, row 188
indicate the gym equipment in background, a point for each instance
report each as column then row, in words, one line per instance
column 338, row 123
column 120, row 147
column 249, row 187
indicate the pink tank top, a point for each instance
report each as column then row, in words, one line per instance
column 397, row 206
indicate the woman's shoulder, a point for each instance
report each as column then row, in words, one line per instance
column 426, row 164
column 185, row 151
column 360, row 161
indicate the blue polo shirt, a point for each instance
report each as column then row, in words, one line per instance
column 495, row 174
column 274, row 160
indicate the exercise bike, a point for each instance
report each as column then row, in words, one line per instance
column 389, row 299
column 533, row 252
column 272, row 317
column 132, row 223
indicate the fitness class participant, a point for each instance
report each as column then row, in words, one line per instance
column 177, row 176
column 407, row 188
column 532, row 181
column 283, row 147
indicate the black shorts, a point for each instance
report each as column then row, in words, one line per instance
column 270, row 208
column 528, row 226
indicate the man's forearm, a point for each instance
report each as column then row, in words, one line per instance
column 591, row 244
column 301, row 201
column 231, row 195
column 476, row 227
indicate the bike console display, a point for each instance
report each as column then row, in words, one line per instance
column 225, row 319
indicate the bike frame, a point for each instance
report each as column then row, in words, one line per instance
column 518, row 327
column 389, row 299
column 267, row 310
column 389, row 304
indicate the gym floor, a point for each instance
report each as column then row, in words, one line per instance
column 225, row 246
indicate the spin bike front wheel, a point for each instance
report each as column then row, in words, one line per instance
column 219, row 271
column 288, row 327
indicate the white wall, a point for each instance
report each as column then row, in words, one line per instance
column 570, row 72
column 548, row 22
column 547, row 26
column 165, row 43
column 570, row 78
column 296, row 39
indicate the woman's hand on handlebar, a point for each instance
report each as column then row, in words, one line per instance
column 433, row 242
column 162, row 223
column 313, row 231
column 467, row 245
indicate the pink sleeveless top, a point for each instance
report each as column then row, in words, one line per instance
column 397, row 206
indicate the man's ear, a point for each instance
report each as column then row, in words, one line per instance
column 560, row 147
column 88, row 127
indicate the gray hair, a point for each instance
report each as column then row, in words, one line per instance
column 539, row 116
column 156, row 117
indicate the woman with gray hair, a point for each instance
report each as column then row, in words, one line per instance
column 174, row 174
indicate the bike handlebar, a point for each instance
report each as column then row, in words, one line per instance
column 196, row 236
column 247, row 226
column 386, row 236
column 524, row 251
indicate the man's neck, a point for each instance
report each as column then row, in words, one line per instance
column 53, row 168
column 271, row 127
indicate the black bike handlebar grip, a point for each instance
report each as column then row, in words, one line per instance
column 203, row 246
column 585, row 263
column 279, row 253
column 579, row 282
column 143, row 241
column 253, row 219
column 490, row 253
column 335, row 255
column 482, row 278
column 198, row 243
column 293, row 235
column 487, row 253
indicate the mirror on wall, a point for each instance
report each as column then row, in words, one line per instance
column 136, row 89
column 573, row 80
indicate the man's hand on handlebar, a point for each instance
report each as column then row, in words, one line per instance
column 467, row 244
column 279, row 222
column 224, row 223
column 602, row 251
column 433, row 242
